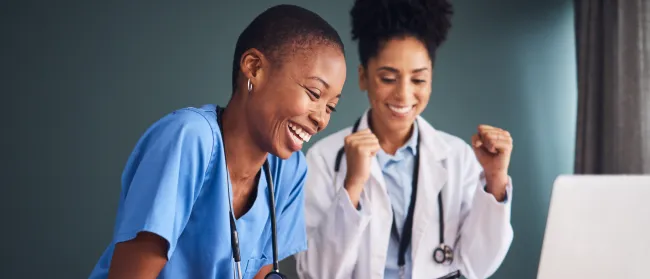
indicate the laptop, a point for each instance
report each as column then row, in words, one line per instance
column 598, row 227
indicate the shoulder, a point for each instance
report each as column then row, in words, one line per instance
column 187, row 122
column 453, row 147
column 455, row 143
column 200, row 121
column 181, row 132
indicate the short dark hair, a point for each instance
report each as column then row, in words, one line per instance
column 376, row 21
column 281, row 29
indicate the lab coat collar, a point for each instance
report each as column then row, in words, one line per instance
column 437, row 148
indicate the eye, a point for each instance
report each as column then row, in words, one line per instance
column 388, row 80
column 419, row 81
column 331, row 109
column 312, row 93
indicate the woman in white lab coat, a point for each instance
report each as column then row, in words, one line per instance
column 391, row 196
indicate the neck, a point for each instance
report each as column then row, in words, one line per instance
column 390, row 139
column 244, row 157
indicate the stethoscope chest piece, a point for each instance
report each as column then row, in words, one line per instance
column 443, row 254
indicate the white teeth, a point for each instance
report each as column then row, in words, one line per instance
column 400, row 110
column 304, row 136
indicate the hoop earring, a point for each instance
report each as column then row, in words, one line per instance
column 250, row 86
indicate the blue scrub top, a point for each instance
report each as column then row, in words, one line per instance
column 174, row 185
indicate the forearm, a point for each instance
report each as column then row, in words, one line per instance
column 142, row 257
column 496, row 185
column 353, row 190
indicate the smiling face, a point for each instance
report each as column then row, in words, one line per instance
column 398, row 82
column 292, row 101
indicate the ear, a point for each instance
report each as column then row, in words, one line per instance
column 251, row 65
column 363, row 78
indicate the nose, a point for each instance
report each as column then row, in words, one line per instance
column 318, row 120
column 403, row 90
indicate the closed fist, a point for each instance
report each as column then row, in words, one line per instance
column 493, row 147
column 360, row 148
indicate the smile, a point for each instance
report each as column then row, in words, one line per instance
column 401, row 109
column 298, row 133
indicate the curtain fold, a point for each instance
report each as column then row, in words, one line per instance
column 613, row 50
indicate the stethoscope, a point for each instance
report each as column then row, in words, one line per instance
column 443, row 254
column 234, row 238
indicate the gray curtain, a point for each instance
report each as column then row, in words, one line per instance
column 613, row 49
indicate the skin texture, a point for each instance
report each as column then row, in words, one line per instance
column 400, row 75
column 142, row 257
column 303, row 90
column 263, row 271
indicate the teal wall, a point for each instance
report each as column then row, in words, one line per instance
column 512, row 64
column 82, row 81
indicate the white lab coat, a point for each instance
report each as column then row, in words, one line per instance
column 344, row 243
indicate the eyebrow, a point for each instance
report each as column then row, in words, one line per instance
column 391, row 69
column 321, row 80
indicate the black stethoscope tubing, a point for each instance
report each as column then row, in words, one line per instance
column 443, row 253
column 234, row 238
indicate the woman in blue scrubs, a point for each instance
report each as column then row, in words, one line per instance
column 195, row 166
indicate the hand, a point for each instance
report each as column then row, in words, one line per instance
column 360, row 148
column 493, row 147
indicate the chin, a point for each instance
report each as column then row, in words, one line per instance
column 282, row 153
column 398, row 121
column 400, row 125
column 290, row 139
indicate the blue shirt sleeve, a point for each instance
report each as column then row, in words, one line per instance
column 292, row 234
column 164, row 176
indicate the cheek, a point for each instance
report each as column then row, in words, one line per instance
column 423, row 97
column 380, row 91
column 298, row 104
column 423, row 94
column 287, row 101
column 288, row 107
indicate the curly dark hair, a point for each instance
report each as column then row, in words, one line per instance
column 376, row 21
column 280, row 30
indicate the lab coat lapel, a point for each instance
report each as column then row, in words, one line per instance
column 432, row 177
column 377, row 175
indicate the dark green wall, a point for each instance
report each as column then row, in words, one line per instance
column 81, row 82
